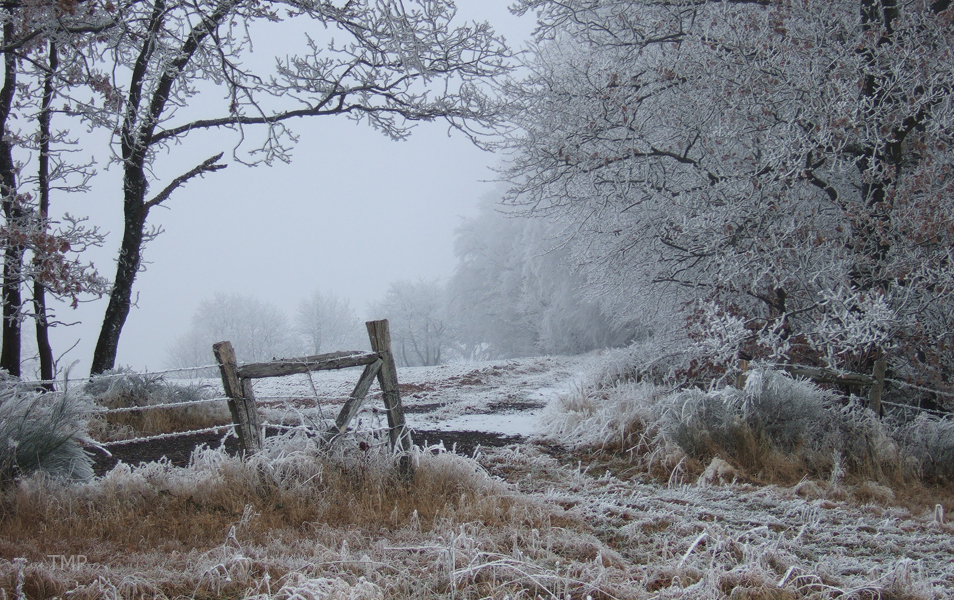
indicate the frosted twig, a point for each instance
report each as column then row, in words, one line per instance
column 314, row 391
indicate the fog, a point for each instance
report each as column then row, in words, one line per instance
column 351, row 213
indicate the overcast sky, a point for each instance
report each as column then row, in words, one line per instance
column 351, row 213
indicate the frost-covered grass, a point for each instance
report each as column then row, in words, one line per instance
column 296, row 522
column 775, row 430
column 515, row 522
column 42, row 432
column 292, row 520
column 139, row 390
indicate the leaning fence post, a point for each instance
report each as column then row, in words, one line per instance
column 241, row 400
column 380, row 335
column 877, row 387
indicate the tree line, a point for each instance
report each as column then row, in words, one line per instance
column 512, row 294
column 141, row 77
column 764, row 179
column 754, row 178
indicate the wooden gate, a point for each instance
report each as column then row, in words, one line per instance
column 378, row 364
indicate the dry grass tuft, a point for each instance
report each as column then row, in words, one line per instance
column 144, row 390
column 159, row 507
column 776, row 431
column 293, row 520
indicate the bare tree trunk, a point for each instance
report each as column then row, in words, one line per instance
column 45, row 350
column 127, row 267
column 137, row 137
column 13, row 253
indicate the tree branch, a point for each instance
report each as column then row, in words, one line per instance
column 207, row 166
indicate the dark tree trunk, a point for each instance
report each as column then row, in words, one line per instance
column 13, row 253
column 44, row 349
column 127, row 267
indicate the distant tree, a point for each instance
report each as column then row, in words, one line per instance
column 515, row 291
column 388, row 63
column 417, row 311
column 327, row 323
column 775, row 174
column 258, row 332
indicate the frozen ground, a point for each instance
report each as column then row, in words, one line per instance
column 573, row 529
column 817, row 540
column 504, row 397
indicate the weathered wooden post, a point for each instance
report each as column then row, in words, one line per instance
column 380, row 335
column 877, row 387
column 241, row 400
column 353, row 404
column 742, row 375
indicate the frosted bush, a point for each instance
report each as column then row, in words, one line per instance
column 598, row 417
column 125, row 388
column 786, row 413
column 928, row 445
column 786, row 409
column 42, row 433
column 661, row 359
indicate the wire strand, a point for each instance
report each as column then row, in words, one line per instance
column 163, row 436
column 126, row 409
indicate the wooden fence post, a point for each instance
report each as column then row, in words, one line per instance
column 380, row 335
column 874, row 394
column 742, row 375
column 241, row 400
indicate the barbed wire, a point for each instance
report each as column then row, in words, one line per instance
column 163, row 436
column 119, row 375
column 919, row 409
column 918, row 387
column 126, row 409
column 302, row 397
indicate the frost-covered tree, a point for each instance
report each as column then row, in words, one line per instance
column 327, row 323
column 778, row 173
column 45, row 47
column 420, row 329
column 181, row 67
column 258, row 331
column 515, row 293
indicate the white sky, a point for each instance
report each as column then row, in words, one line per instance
column 352, row 212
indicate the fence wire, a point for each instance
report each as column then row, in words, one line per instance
column 164, row 436
column 897, row 382
column 126, row 409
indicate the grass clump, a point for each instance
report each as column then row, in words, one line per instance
column 294, row 519
column 127, row 389
column 775, row 430
column 42, row 432
column 274, row 494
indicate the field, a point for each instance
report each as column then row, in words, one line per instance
column 530, row 513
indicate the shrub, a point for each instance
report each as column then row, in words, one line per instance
column 777, row 428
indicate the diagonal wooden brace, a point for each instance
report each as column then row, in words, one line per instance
column 353, row 405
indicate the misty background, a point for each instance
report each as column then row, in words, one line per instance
column 351, row 213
